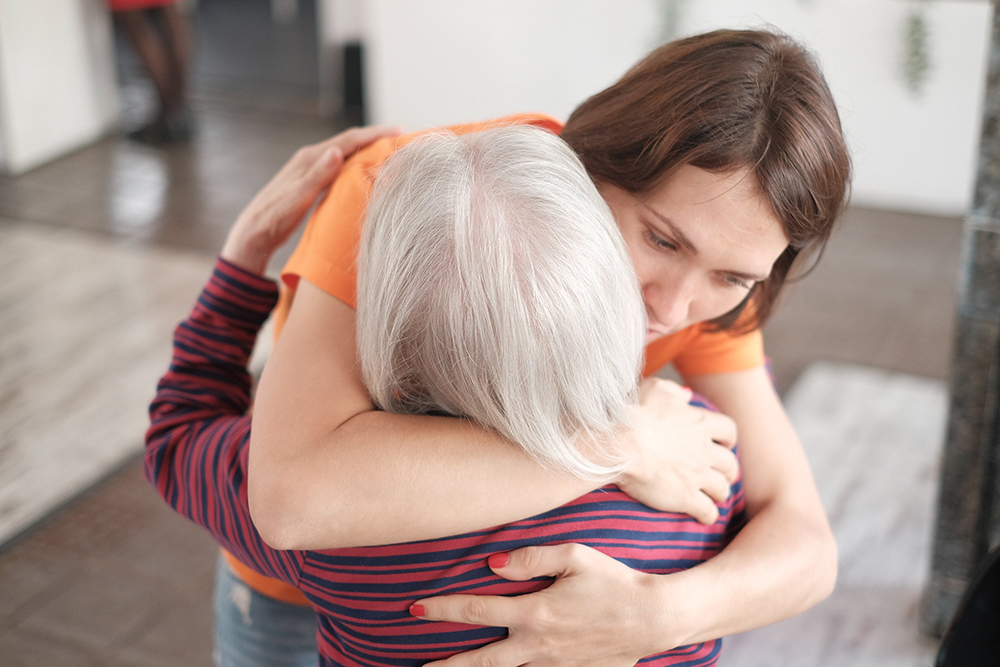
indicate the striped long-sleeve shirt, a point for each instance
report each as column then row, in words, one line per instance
column 196, row 456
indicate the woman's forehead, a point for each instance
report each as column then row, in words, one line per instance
column 714, row 211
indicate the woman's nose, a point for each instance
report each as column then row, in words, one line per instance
column 669, row 305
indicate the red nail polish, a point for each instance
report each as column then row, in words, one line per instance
column 686, row 388
column 417, row 610
column 498, row 561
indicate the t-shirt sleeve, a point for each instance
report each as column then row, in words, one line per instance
column 327, row 254
column 720, row 352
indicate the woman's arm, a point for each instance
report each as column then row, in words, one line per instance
column 781, row 563
column 785, row 559
column 196, row 445
column 327, row 470
column 196, row 442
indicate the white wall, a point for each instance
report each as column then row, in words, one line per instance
column 57, row 82
column 445, row 61
column 911, row 152
column 436, row 62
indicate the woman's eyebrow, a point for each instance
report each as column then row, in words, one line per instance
column 679, row 236
column 749, row 277
column 674, row 231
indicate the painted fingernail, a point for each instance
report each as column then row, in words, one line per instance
column 687, row 388
column 498, row 560
column 417, row 610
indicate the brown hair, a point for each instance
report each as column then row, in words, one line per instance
column 722, row 101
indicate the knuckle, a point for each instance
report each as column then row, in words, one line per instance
column 537, row 616
column 531, row 558
column 575, row 553
column 487, row 659
column 476, row 611
column 700, row 514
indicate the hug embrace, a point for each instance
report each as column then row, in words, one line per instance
column 454, row 412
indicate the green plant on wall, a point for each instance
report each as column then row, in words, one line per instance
column 916, row 48
column 915, row 62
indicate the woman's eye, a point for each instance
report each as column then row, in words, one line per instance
column 733, row 281
column 659, row 242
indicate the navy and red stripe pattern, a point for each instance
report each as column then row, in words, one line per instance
column 196, row 456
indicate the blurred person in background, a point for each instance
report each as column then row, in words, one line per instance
column 161, row 35
column 722, row 159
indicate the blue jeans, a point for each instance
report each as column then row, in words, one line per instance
column 254, row 630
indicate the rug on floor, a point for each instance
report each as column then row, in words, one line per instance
column 85, row 333
column 873, row 439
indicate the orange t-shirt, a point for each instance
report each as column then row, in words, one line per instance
column 326, row 256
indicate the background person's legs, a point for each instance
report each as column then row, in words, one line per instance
column 179, row 45
column 165, row 52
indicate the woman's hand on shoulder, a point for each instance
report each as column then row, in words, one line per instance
column 681, row 455
column 598, row 612
column 274, row 213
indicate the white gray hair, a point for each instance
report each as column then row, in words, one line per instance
column 493, row 284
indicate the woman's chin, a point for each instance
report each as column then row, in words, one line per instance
column 653, row 335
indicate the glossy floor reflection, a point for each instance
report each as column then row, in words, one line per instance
column 185, row 195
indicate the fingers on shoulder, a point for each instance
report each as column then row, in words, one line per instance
column 716, row 486
column 704, row 510
column 659, row 389
column 722, row 428
column 356, row 138
column 548, row 561
column 471, row 609
column 724, row 460
column 499, row 654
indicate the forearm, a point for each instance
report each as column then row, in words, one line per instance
column 196, row 443
column 779, row 565
column 785, row 559
column 383, row 478
column 328, row 471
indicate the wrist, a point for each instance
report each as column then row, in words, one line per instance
column 667, row 601
column 246, row 248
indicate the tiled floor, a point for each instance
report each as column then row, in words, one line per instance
column 115, row 578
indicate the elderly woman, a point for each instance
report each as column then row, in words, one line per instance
column 458, row 316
